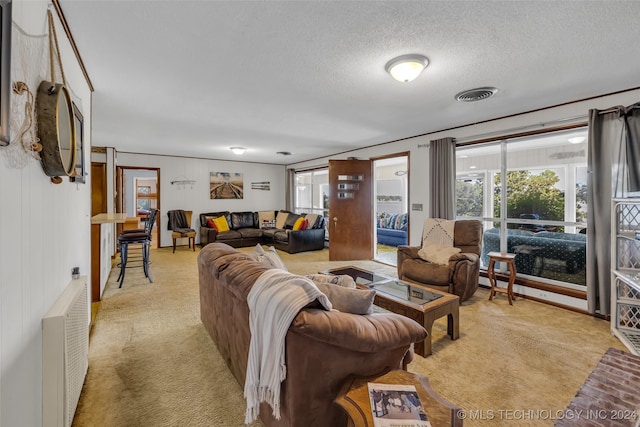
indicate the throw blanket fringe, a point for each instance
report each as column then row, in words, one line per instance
column 274, row 300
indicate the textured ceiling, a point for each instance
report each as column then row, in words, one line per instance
column 193, row 78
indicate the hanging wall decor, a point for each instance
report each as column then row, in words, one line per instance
column 56, row 121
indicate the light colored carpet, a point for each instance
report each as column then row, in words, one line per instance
column 151, row 362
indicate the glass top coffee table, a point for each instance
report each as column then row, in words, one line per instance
column 422, row 304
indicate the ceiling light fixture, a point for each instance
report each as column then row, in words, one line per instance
column 576, row 140
column 406, row 68
column 237, row 150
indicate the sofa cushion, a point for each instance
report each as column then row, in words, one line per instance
column 348, row 300
column 221, row 224
column 210, row 223
column 242, row 220
column 281, row 218
column 228, row 235
column 269, row 232
column 421, row 271
column 291, row 221
column 250, row 233
column 281, row 236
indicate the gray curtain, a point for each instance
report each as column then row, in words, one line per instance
column 632, row 123
column 442, row 178
column 289, row 186
column 604, row 181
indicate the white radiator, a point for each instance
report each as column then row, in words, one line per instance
column 65, row 354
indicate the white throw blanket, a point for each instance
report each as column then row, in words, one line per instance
column 274, row 300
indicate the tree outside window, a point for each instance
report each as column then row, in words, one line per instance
column 529, row 193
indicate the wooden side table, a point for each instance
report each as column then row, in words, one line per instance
column 355, row 400
column 510, row 259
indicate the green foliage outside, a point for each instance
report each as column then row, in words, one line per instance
column 530, row 194
column 469, row 196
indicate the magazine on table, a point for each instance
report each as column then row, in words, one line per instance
column 395, row 405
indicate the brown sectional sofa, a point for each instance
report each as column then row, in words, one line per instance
column 322, row 348
column 245, row 231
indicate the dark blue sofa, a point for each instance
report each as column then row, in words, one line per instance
column 392, row 229
column 567, row 247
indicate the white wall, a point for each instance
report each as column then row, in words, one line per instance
column 419, row 151
column 45, row 231
column 197, row 199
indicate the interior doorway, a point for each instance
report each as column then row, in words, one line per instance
column 391, row 201
column 138, row 194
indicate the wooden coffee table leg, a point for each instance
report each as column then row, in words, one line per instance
column 453, row 322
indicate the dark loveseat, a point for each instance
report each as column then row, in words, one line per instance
column 567, row 247
column 245, row 230
column 391, row 229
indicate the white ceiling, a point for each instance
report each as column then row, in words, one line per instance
column 193, row 78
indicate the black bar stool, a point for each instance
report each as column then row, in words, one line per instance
column 141, row 237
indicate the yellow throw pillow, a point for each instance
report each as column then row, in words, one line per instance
column 298, row 223
column 221, row 224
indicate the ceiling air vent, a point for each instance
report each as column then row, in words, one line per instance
column 477, row 94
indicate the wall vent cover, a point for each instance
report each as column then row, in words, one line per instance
column 477, row 94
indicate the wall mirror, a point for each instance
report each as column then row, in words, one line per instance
column 79, row 172
column 5, row 69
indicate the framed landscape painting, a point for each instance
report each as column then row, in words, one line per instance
column 226, row 185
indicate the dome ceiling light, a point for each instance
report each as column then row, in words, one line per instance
column 237, row 150
column 576, row 139
column 406, row 68
column 477, row 94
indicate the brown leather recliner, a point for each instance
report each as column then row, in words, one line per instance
column 460, row 276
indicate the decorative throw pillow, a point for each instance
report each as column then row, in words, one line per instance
column 299, row 224
column 313, row 219
column 347, row 300
column 274, row 259
column 221, row 224
column 340, row 280
column 210, row 223
column 437, row 254
column 257, row 253
column 281, row 218
column 265, row 218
